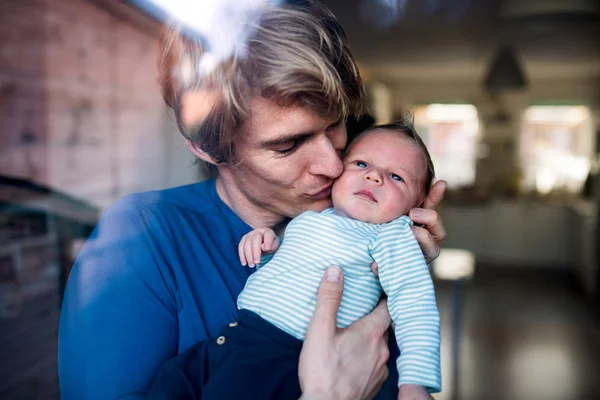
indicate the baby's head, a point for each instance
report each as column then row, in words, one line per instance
column 387, row 171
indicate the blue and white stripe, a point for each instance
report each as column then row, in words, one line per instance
column 284, row 290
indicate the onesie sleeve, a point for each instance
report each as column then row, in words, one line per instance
column 405, row 278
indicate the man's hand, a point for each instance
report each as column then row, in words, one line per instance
column 343, row 363
column 256, row 243
column 413, row 392
column 428, row 228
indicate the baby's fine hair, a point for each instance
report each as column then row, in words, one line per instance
column 406, row 128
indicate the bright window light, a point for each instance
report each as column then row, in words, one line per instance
column 450, row 132
column 556, row 148
column 454, row 264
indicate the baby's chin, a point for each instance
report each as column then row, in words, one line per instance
column 368, row 217
column 320, row 205
column 356, row 215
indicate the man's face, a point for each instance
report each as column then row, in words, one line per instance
column 287, row 158
column 382, row 179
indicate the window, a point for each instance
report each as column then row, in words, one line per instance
column 556, row 147
column 450, row 132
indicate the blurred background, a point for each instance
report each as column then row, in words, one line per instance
column 505, row 93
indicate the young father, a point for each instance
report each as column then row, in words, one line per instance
column 161, row 270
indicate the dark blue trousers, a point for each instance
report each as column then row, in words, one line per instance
column 251, row 359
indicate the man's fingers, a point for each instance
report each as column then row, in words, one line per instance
column 436, row 194
column 429, row 245
column 329, row 297
column 378, row 320
column 429, row 229
column 379, row 380
column 381, row 370
column 430, row 220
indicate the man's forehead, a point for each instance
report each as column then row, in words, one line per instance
column 269, row 120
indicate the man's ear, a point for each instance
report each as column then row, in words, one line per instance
column 196, row 150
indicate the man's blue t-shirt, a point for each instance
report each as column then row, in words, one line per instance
column 159, row 273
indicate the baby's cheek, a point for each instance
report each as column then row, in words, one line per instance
column 338, row 190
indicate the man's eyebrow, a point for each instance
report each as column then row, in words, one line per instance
column 286, row 138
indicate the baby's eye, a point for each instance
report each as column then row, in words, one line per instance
column 395, row 177
column 361, row 164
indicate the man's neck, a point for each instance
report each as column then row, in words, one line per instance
column 251, row 213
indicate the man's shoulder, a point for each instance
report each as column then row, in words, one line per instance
column 161, row 210
column 195, row 197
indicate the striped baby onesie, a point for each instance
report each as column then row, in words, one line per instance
column 284, row 290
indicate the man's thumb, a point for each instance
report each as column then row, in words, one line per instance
column 328, row 301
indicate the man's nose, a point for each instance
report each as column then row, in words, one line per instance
column 326, row 159
column 373, row 176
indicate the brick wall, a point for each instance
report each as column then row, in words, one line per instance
column 80, row 112
column 22, row 89
column 80, row 109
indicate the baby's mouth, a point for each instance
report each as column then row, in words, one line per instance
column 367, row 194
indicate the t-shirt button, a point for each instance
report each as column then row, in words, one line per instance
column 220, row 340
column 232, row 324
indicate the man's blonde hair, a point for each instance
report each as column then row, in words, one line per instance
column 297, row 55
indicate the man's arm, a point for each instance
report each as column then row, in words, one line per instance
column 119, row 317
column 345, row 363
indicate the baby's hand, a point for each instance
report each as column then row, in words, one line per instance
column 256, row 243
column 413, row 392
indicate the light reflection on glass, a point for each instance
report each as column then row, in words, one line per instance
column 454, row 264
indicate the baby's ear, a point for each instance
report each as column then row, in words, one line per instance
column 421, row 202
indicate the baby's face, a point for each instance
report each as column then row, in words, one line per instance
column 382, row 179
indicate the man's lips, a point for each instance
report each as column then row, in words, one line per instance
column 366, row 194
column 322, row 194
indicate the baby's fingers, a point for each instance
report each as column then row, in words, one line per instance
column 270, row 241
column 242, row 250
column 256, row 252
column 248, row 253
